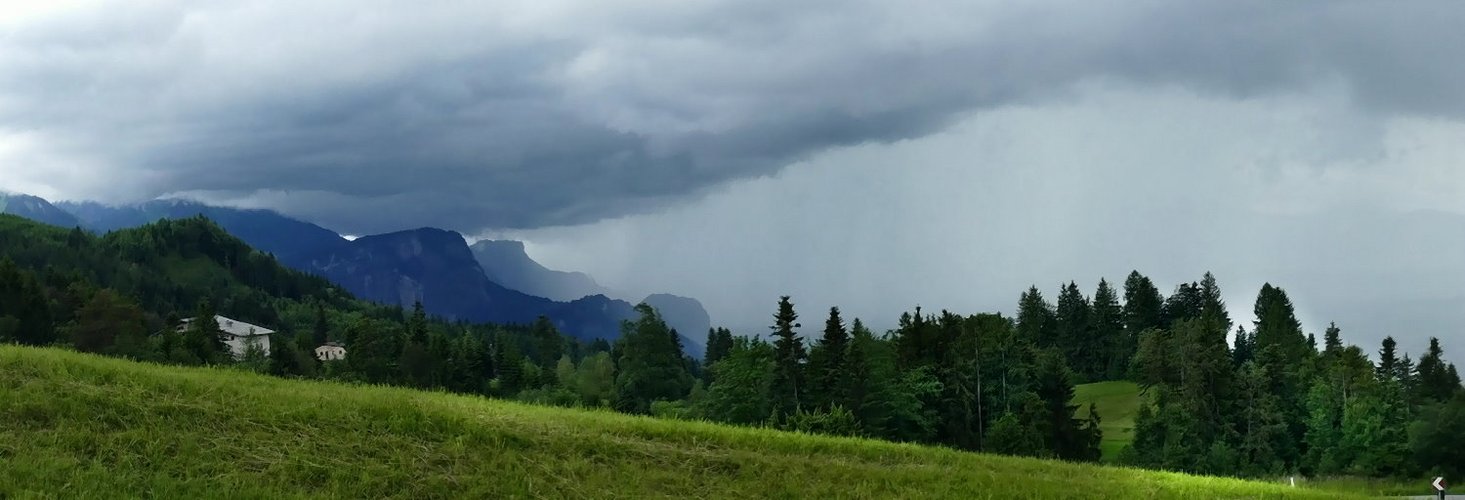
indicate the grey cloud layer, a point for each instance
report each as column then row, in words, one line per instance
column 1362, row 220
column 371, row 116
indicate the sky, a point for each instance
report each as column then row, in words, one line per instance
column 871, row 155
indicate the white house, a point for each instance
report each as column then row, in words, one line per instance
column 238, row 335
column 330, row 351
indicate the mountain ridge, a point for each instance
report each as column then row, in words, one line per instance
column 434, row 266
column 37, row 209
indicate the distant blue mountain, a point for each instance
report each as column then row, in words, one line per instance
column 431, row 265
column 436, row 267
column 36, row 209
column 506, row 263
column 686, row 315
column 295, row 243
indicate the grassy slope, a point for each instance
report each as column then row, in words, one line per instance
column 1117, row 403
column 83, row 426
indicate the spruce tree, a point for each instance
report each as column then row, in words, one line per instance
column 1405, row 374
column 789, row 358
column 1264, row 431
column 859, row 386
column 1072, row 319
column 1212, row 306
column 1436, row 381
column 1143, row 305
column 1111, row 349
column 1332, row 341
column 1066, row 436
column 1035, row 322
column 719, row 343
column 1243, row 347
column 1288, row 361
column 1186, row 303
column 1388, row 360
column 1147, row 446
column 827, row 362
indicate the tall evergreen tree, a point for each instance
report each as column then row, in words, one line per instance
column 789, row 358
column 1111, row 349
column 1287, row 358
column 1187, row 302
column 1265, row 436
column 918, row 340
column 1408, row 380
column 958, row 371
column 1435, row 381
column 1388, row 360
column 1276, row 323
column 1145, row 450
column 1243, row 347
column 1332, row 341
column 1143, row 305
column 861, row 388
column 1212, row 305
column 826, row 368
column 1067, row 437
column 1203, row 391
column 719, row 343
column 1035, row 321
column 1072, row 319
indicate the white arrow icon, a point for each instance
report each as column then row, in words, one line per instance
column 1439, row 483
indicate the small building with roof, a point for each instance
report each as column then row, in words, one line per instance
column 330, row 351
column 238, row 335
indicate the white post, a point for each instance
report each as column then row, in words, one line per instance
column 1294, row 481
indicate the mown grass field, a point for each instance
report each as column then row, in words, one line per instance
column 80, row 426
column 1117, row 402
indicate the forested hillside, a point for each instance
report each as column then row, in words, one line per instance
column 1273, row 402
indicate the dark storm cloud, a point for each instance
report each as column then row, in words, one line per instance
column 372, row 116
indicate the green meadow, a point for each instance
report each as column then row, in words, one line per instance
column 82, row 426
column 1117, row 403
